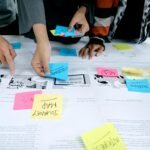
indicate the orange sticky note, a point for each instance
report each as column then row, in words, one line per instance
column 25, row 100
column 107, row 72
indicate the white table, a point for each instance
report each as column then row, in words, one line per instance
column 85, row 106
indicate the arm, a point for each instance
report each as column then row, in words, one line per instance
column 32, row 16
column 104, row 15
column 30, row 12
column 41, row 57
column 83, row 16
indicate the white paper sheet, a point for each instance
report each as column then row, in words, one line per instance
column 85, row 106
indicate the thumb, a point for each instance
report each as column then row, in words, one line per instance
column 46, row 67
column 11, row 64
column 72, row 24
column 12, row 52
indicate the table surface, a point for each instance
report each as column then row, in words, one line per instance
column 86, row 105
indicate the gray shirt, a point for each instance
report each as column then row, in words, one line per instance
column 30, row 13
column 48, row 12
column 7, row 12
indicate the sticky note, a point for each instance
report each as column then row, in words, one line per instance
column 16, row 45
column 105, row 137
column 47, row 106
column 123, row 47
column 24, row 100
column 53, row 33
column 133, row 72
column 65, row 30
column 138, row 85
column 68, row 52
column 107, row 72
column 59, row 71
column 148, row 72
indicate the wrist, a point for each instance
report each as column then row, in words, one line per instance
column 82, row 10
column 41, row 46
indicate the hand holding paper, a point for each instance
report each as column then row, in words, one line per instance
column 58, row 71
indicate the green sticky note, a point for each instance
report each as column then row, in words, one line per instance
column 105, row 137
column 123, row 47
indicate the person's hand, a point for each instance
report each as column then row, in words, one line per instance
column 91, row 50
column 41, row 59
column 7, row 54
column 79, row 19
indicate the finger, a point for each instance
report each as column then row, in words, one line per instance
column 99, row 51
column 11, row 63
column 46, row 68
column 3, row 60
column 38, row 70
column 12, row 52
column 85, row 52
column 91, row 53
column 72, row 24
column 80, row 52
column 84, row 29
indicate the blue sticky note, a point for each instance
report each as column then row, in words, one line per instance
column 68, row 52
column 140, row 85
column 59, row 71
column 16, row 45
column 64, row 30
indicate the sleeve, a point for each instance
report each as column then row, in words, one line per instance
column 104, row 15
column 30, row 12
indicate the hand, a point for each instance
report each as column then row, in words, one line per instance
column 41, row 59
column 91, row 50
column 80, row 19
column 7, row 54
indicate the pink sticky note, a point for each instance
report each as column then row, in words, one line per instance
column 107, row 72
column 25, row 100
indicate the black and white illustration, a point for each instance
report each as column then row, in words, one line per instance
column 73, row 80
column 27, row 82
column 115, row 82
column 2, row 77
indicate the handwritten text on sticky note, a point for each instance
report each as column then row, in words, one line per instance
column 59, row 71
column 107, row 72
column 25, row 100
column 138, row 85
column 103, row 138
column 47, row 106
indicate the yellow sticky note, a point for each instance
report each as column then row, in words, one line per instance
column 53, row 33
column 47, row 106
column 133, row 72
column 123, row 47
column 105, row 137
column 148, row 72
